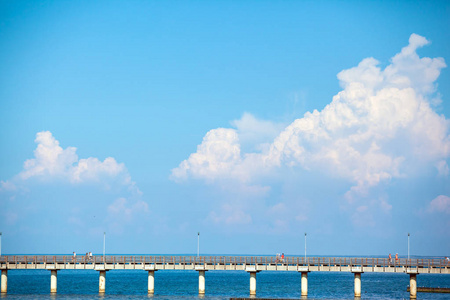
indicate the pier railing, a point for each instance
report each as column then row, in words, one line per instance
column 227, row 260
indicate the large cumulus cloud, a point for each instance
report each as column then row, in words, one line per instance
column 380, row 126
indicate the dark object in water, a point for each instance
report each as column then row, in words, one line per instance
column 424, row 289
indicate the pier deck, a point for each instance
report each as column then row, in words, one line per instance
column 243, row 263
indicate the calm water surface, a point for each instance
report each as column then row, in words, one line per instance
column 171, row 285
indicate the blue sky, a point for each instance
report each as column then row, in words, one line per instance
column 252, row 122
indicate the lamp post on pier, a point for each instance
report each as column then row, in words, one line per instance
column 408, row 246
column 198, row 244
column 305, row 246
column 104, row 244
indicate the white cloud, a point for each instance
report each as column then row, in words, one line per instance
column 51, row 161
column 123, row 209
column 385, row 206
column 230, row 215
column 278, row 209
column 442, row 168
column 7, row 186
column 440, row 204
column 301, row 217
column 52, row 165
column 380, row 126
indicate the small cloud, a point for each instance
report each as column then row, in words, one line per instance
column 229, row 215
column 440, row 204
column 385, row 206
column 277, row 209
column 52, row 162
column 362, row 208
column 301, row 217
column 279, row 226
column 7, row 186
column 123, row 211
column 75, row 221
column 442, row 168
column 121, row 208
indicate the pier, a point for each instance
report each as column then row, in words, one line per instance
column 202, row 264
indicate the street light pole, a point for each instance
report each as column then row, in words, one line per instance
column 408, row 245
column 305, row 245
column 104, row 244
column 198, row 244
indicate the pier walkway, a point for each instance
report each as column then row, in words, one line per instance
column 250, row 264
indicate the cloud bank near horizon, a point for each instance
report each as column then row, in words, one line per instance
column 381, row 126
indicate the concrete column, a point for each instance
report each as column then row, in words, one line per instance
column 4, row 281
column 102, row 282
column 304, row 284
column 151, row 282
column 53, row 281
column 413, row 286
column 201, row 282
column 252, row 283
column 357, row 284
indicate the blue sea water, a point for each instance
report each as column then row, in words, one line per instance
column 171, row 285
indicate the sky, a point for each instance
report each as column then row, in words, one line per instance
column 251, row 122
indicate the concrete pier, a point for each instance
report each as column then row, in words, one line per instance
column 304, row 284
column 357, row 284
column 201, row 282
column 252, row 283
column 248, row 264
column 53, row 281
column 151, row 282
column 102, row 282
column 4, row 281
column 412, row 286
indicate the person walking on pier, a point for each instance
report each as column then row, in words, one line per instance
column 396, row 258
column 390, row 258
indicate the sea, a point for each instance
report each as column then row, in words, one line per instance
column 220, row 285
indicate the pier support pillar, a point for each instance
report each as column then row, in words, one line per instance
column 357, row 284
column 304, row 284
column 252, row 283
column 151, row 282
column 201, row 282
column 4, row 281
column 102, row 282
column 413, row 286
column 53, row 281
